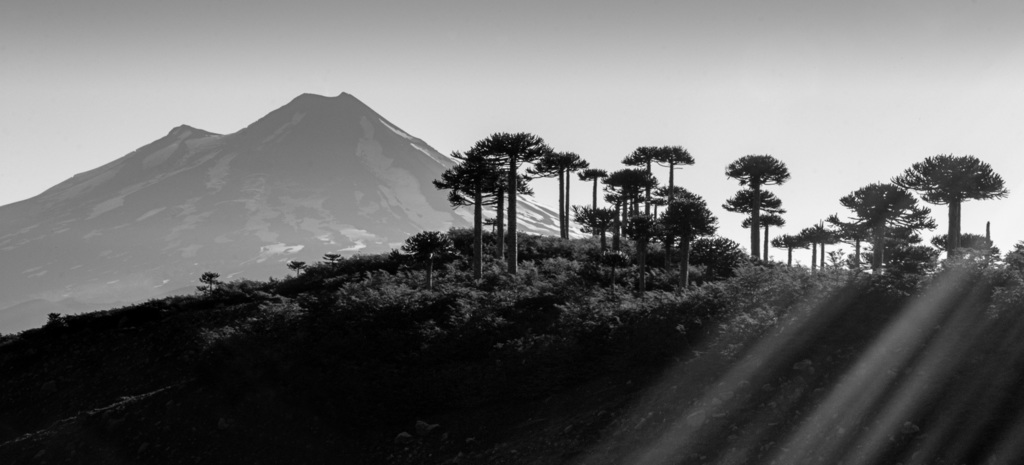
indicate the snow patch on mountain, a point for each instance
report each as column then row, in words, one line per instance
column 395, row 130
column 106, row 206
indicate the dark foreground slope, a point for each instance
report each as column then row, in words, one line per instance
column 544, row 367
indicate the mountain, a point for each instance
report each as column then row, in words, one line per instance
column 320, row 174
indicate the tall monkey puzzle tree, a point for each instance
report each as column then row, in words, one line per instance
column 593, row 174
column 472, row 182
column 561, row 165
column 515, row 149
column 757, row 171
column 882, row 207
column 673, row 156
column 767, row 220
column 573, row 163
column 951, row 180
column 644, row 156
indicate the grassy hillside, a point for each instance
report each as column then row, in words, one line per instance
column 546, row 366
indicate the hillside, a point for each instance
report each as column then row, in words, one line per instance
column 355, row 362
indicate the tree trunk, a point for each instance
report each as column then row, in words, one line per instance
column 878, row 255
column 814, row 257
column 604, row 242
column 513, row 240
column 822, row 255
column 766, row 243
column 789, row 260
column 684, row 262
column 430, row 274
column 594, row 206
column 953, row 231
column 856, row 253
column 478, row 234
column 499, row 246
column 755, row 221
column 647, row 196
column 567, row 202
column 561, row 204
column 668, row 237
column 616, row 241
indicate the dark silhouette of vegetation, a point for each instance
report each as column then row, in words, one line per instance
column 951, row 180
column 210, row 282
column 642, row 228
column 296, row 266
column 428, row 246
column 594, row 221
column 688, row 218
column 790, row 242
column 767, row 221
column 757, row 171
column 595, row 175
column 560, row 165
column 514, row 150
column 884, row 207
column 644, row 156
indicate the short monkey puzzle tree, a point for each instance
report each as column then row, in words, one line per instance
column 427, row 246
column 688, row 218
column 595, row 221
column 885, row 207
column 789, row 242
column 296, row 266
column 950, row 180
column 757, row 171
column 210, row 282
column 642, row 228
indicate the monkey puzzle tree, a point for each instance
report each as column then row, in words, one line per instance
column 593, row 174
column 853, row 232
column 573, row 163
column 596, row 221
column 210, row 282
column 641, row 228
column 882, row 207
column 818, row 235
column 515, row 150
column 789, row 242
column 296, row 266
column 951, row 180
column 971, row 245
column 757, row 171
column 644, row 156
column 767, row 220
column 688, row 218
column 428, row 246
column 560, row 165
column 473, row 182
column 629, row 183
column 672, row 156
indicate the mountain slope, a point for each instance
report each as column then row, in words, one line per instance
column 320, row 174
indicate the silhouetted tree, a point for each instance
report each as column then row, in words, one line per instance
column 885, row 206
column 595, row 221
column 428, row 246
column 971, row 245
column 767, row 220
column 475, row 181
column 331, row 257
column 688, row 218
column 593, row 174
column 757, row 171
column 672, row 156
column 560, row 165
column 642, row 228
column 296, row 266
column 629, row 184
column 644, row 156
column 854, row 232
column 516, row 149
column 790, row 242
column 614, row 259
column 951, row 180
column 718, row 255
column 210, row 282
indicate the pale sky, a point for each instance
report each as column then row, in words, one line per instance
column 846, row 93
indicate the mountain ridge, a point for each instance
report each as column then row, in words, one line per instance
column 318, row 174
